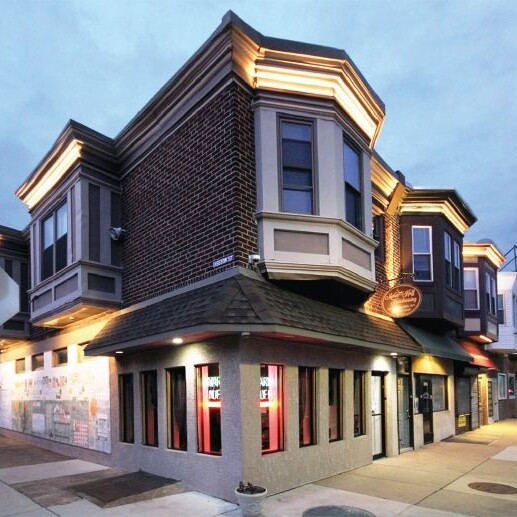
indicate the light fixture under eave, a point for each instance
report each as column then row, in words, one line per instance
column 119, row 352
column 393, row 354
column 485, row 339
column 177, row 340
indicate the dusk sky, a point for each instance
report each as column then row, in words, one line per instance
column 446, row 71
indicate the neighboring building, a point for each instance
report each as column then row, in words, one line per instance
column 505, row 349
column 476, row 383
column 206, row 288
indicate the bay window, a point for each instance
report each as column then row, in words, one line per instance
column 271, row 407
column 297, row 167
column 353, row 185
column 54, row 236
column 208, row 409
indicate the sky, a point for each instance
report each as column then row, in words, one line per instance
column 445, row 69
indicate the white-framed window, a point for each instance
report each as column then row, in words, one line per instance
column 456, row 266
column 422, row 253
column 353, row 185
column 502, row 387
column 490, row 294
column 447, row 244
column 511, row 386
column 500, row 309
column 471, row 288
column 54, row 241
column 297, row 174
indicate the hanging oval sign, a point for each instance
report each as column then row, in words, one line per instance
column 401, row 301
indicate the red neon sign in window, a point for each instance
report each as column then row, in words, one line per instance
column 271, row 407
column 208, row 409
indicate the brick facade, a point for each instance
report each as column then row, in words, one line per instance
column 192, row 200
column 388, row 266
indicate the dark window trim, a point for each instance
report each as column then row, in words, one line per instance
column 340, row 375
column 361, row 416
column 149, row 411
column 53, row 267
column 302, row 121
column 173, row 412
column 313, row 380
column 126, row 407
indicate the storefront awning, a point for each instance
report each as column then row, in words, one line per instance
column 246, row 303
column 479, row 356
column 437, row 345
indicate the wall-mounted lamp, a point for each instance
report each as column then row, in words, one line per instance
column 116, row 233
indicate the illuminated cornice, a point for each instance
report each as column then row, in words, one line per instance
column 486, row 250
column 31, row 193
column 444, row 202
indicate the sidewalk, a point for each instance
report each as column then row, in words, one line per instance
column 443, row 479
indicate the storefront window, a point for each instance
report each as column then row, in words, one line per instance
column 511, row 386
column 126, row 407
column 149, row 394
column 271, row 407
column 359, row 422
column 335, row 405
column 307, row 405
column 177, row 409
column 208, row 409
column 501, row 386
column 431, row 393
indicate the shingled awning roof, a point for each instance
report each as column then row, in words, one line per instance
column 245, row 303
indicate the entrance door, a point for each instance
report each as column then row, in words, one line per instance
column 493, row 405
column 378, row 445
column 425, row 406
column 404, row 412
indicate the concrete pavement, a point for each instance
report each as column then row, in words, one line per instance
column 472, row 474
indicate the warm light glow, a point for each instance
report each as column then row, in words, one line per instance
column 483, row 249
column 177, row 340
column 393, row 354
column 31, row 194
column 211, row 403
column 269, row 403
column 485, row 339
column 321, row 84
column 119, row 352
column 436, row 207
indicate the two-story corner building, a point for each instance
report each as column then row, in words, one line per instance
column 504, row 350
column 475, row 383
column 209, row 261
column 432, row 225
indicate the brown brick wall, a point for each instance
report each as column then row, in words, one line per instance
column 388, row 267
column 192, row 200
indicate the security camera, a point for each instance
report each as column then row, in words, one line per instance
column 116, row 234
column 253, row 259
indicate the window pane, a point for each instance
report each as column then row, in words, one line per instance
column 297, row 154
column 149, row 408
column 60, row 357
column 297, row 201
column 352, row 165
column 439, row 393
column 359, row 422
column 307, row 407
column 470, row 279
column 37, row 362
column 471, row 299
column 48, row 232
column 421, row 240
column 297, row 178
column 20, row 365
column 271, row 407
column 126, row 408
column 353, row 207
column 422, row 267
column 447, row 246
column 500, row 309
column 177, row 409
column 208, row 409
column 61, row 220
column 335, row 405
column 295, row 131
